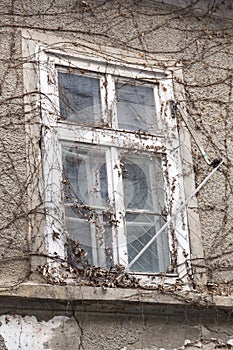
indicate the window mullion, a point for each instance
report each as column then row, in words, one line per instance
column 111, row 101
column 103, row 97
column 158, row 109
column 119, row 238
column 90, row 185
column 158, row 203
column 111, row 209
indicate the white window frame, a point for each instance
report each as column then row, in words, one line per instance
column 53, row 133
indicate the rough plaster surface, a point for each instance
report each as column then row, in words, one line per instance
column 102, row 332
column 13, row 223
column 154, row 32
column 27, row 333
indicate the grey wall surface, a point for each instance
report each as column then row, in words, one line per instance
column 153, row 31
column 168, row 329
column 202, row 44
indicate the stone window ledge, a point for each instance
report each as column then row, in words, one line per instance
column 96, row 299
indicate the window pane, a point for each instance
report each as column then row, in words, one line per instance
column 136, row 107
column 85, row 176
column 91, row 228
column 143, row 182
column 79, row 98
column 79, row 229
column 140, row 229
column 86, row 197
column 144, row 197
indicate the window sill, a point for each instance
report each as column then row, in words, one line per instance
column 32, row 296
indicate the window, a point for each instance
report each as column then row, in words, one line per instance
column 111, row 163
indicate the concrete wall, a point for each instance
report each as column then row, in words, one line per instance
column 168, row 329
column 151, row 31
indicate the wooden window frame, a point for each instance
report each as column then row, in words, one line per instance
column 52, row 133
column 56, row 132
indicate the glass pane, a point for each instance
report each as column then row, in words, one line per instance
column 143, row 182
column 91, row 228
column 140, row 229
column 85, row 176
column 136, row 107
column 79, row 98
column 86, row 197
column 79, row 230
column 144, row 196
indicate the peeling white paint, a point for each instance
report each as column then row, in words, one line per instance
column 27, row 332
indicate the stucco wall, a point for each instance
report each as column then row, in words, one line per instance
column 169, row 330
column 13, row 178
column 150, row 31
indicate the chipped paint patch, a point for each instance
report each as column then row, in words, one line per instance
column 29, row 333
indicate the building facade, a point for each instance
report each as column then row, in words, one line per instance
column 116, row 196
